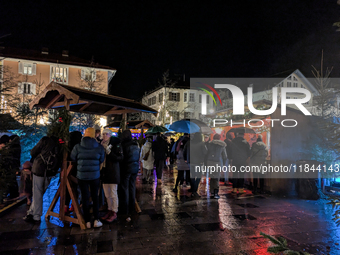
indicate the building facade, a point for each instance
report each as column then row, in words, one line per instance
column 26, row 73
column 175, row 103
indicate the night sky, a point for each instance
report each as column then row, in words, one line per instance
column 215, row 39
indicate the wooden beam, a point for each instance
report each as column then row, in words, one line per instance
column 53, row 101
column 112, row 109
column 85, row 106
column 61, row 104
column 53, row 86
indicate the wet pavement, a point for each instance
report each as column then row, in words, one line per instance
column 178, row 224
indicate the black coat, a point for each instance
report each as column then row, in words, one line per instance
column 130, row 163
column 160, row 148
column 111, row 172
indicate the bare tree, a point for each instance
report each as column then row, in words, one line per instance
column 89, row 79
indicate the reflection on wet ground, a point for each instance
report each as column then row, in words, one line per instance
column 178, row 224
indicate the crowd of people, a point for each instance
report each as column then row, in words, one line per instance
column 106, row 168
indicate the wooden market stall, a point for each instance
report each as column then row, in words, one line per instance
column 74, row 99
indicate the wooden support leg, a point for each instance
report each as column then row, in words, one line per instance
column 52, row 205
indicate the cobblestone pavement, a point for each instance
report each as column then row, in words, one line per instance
column 178, row 224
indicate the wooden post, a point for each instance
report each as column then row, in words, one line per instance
column 65, row 184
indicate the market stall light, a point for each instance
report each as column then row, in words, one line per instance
column 103, row 122
column 42, row 122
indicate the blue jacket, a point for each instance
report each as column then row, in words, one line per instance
column 89, row 154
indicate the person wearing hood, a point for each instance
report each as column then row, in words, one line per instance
column 147, row 159
column 110, row 173
column 89, row 154
column 259, row 153
column 217, row 156
column 194, row 154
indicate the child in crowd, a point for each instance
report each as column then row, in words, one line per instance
column 26, row 181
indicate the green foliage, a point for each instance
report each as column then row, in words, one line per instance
column 281, row 246
column 59, row 127
column 335, row 202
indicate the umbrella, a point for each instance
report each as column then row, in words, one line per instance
column 156, row 129
column 190, row 126
column 242, row 130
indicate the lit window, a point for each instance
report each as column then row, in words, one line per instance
column 27, row 68
column 59, row 74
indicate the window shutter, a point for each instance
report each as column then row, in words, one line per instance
column 21, row 67
column 34, row 69
column 20, row 88
column 82, row 74
column 94, row 75
column 33, row 89
column 178, row 97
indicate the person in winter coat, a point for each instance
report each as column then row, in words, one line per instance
column 89, row 154
column 41, row 177
column 160, row 152
column 182, row 166
column 259, row 153
column 129, row 171
column 194, row 153
column 147, row 162
column 110, row 173
column 240, row 155
column 217, row 158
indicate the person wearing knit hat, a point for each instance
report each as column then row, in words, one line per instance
column 90, row 132
column 89, row 154
column 107, row 131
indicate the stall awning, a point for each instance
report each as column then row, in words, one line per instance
column 132, row 124
column 57, row 95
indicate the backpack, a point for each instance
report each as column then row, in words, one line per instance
column 51, row 161
column 146, row 156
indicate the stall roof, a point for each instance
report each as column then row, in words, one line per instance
column 57, row 95
column 132, row 124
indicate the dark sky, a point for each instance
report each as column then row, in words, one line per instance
column 212, row 39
